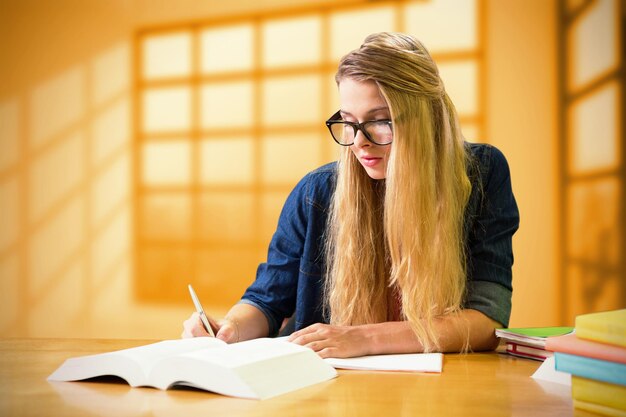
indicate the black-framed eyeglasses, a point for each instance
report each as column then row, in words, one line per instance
column 379, row 132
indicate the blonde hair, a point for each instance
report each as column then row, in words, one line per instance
column 407, row 230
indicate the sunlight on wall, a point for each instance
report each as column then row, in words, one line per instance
column 595, row 135
column 165, row 158
column 291, row 41
column 594, row 48
column 9, row 133
column 65, row 197
column 458, row 31
column 231, row 118
column 594, row 174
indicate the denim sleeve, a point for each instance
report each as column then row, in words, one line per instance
column 490, row 252
column 273, row 291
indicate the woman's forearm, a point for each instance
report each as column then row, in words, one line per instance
column 452, row 331
column 244, row 322
column 398, row 337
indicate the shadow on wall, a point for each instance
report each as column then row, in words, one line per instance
column 65, row 231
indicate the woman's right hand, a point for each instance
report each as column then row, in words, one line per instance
column 193, row 327
column 226, row 330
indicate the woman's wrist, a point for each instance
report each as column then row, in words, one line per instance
column 373, row 338
column 390, row 337
column 235, row 325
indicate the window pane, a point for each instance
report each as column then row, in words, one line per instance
column 226, row 49
column 592, row 289
column 167, row 55
column 593, row 43
column 226, row 161
column 471, row 132
column 290, row 100
column 442, row 25
column 166, row 109
column 593, row 230
column 292, row 41
column 287, row 158
column 223, row 274
column 166, row 217
column 166, row 163
column 333, row 96
column 574, row 4
column 594, row 131
column 226, row 105
column 227, row 217
column 461, row 83
column 161, row 272
column 349, row 29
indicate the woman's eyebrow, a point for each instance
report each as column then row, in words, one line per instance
column 370, row 111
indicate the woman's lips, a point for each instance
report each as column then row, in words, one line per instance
column 370, row 161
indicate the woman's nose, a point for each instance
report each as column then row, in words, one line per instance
column 360, row 140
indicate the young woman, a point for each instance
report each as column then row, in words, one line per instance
column 404, row 244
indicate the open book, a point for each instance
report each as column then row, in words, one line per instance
column 259, row 368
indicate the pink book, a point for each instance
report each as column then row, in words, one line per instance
column 582, row 347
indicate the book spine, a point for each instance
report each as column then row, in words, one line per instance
column 597, row 369
column 602, row 335
column 598, row 392
column 608, row 327
column 599, row 408
column 576, row 346
column 527, row 352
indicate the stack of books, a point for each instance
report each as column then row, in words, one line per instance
column 595, row 356
column 529, row 342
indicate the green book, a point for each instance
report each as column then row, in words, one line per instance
column 532, row 336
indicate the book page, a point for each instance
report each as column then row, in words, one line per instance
column 147, row 356
column 132, row 364
column 250, row 351
column 412, row 362
column 548, row 372
column 258, row 368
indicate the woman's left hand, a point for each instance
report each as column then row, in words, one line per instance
column 333, row 341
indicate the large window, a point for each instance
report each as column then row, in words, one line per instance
column 592, row 169
column 230, row 115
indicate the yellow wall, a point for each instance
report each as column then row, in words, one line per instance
column 522, row 108
column 66, row 126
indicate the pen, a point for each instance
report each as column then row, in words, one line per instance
column 200, row 310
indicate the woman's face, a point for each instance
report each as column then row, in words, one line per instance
column 362, row 101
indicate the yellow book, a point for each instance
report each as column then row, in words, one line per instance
column 599, row 392
column 606, row 327
column 599, row 409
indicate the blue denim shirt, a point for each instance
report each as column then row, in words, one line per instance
column 291, row 281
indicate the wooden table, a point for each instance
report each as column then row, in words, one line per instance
column 477, row 384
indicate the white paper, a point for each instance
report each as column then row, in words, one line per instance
column 547, row 372
column 411, row 362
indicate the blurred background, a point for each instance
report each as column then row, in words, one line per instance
column 149, row 144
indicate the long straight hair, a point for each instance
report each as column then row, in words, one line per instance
column 405, row 233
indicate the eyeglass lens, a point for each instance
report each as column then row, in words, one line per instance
column 379, row 132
